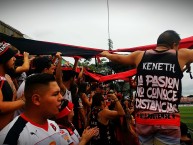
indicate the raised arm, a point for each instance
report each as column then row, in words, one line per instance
column 26, row 64
column 80, row 75
column 59, row 73
column 87, row 100
column 10, row 106
column 119, row 111
column 75, row 63
column 130, row 59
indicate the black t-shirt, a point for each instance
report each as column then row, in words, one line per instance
column 6, row 89
column 106, row 132
column 159, row 81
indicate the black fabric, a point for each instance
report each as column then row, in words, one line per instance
column 159, row 79
column 6, row 90
column 106, row 132
column 34, row 47
column 13, row 134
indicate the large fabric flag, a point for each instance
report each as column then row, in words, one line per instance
column 34, row 47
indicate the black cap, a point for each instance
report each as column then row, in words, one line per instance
column 6, row 52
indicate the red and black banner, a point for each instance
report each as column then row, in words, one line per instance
column 34, row 47
column 184, row 43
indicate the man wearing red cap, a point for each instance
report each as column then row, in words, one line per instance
column 7, row 105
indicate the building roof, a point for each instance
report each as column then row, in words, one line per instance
column 11, row 28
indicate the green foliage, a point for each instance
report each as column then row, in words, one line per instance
column 96, row 67
column 104, row 67
column 187, row 115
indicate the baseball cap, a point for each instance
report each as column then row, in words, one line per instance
column 65, row 109
column 6, row 52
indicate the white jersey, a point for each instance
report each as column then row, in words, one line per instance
column 73, row 136
column 20, row 92
column 21, row 131
column 64, row 133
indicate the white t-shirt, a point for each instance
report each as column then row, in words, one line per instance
column 20, row 92
column 31, row 134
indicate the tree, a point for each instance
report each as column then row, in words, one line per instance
column 101, row 67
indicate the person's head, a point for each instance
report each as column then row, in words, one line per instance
column 68, row 75
column 42, row 94
column 66, row 111
column 98, row 100
column 169, row 39
column 7, row 59
column 43, row 64
column 100, row 89
column 84, row 87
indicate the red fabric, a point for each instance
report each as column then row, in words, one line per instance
column 132, row 49
column 101, row 78
column 65, row 111
column 117, row 76
column 184, row 43
column 43, row 126
column 172, row 121
column 93, row 75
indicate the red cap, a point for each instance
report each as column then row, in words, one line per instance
column 65, row 109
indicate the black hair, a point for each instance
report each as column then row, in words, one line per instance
column 168, row 38
column 19, row 60
column 73, row 88
column 83, row 86
column 41, row 62
column 68, row 74
column 97, row 99
column 32, row 82
column 93, row 87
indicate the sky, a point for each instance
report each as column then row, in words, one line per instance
column 85, row 22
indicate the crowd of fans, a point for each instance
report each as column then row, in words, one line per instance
column 85, row 106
